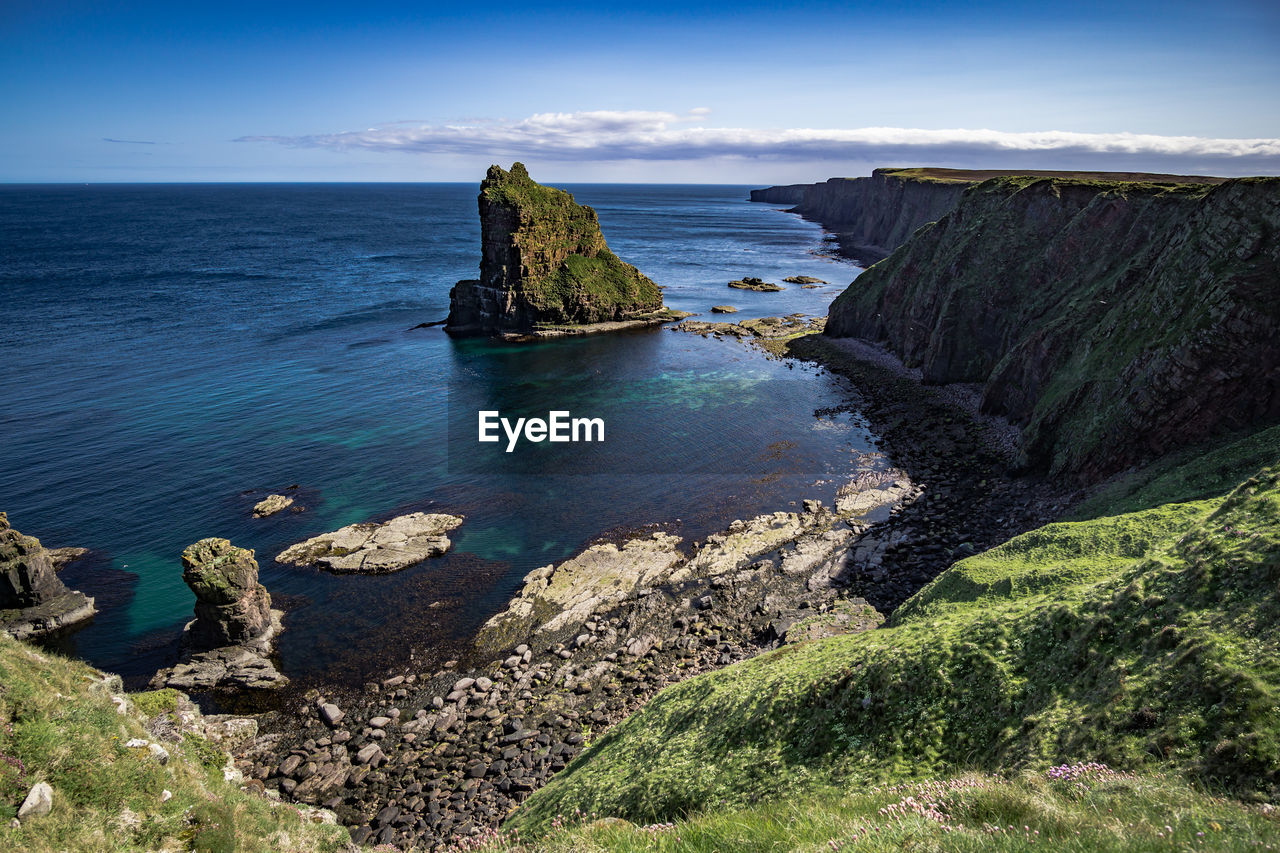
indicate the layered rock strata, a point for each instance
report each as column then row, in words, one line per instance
column 544, row 263
column 33, row 602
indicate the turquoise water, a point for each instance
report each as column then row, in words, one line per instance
column 174, row 353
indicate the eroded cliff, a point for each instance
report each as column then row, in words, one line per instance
column 1113, row 320
column 544, row 263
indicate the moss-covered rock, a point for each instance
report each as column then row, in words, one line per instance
column 544, row 262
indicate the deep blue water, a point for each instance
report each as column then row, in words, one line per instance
column 171, row 354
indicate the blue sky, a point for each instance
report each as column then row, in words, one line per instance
column 716, row 92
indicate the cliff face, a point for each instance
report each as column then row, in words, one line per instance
column 543, row 262
column 873, row 216
column 1115, row 321
column 790, row 194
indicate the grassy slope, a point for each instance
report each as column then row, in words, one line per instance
column 55, row 728
column 1097, row 810
column 1147, row 640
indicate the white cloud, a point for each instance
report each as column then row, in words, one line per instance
column 622, row 135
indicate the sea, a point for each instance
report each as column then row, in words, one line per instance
column 171, row 354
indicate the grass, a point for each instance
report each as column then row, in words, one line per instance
column 1075, row 809
column 1147, row 641
column 58, row 725
column 1208, row 470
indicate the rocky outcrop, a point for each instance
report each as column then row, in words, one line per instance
column 369, row 548
column 229, row 643
column 271, row 504
column 544, row 263
column 33, row 602
column 757, row 284
column 788, row 194
column 1113, row 321
column 778, row 555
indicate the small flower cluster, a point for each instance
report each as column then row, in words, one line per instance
column 658, row 828
column 487, row 838
column 1079, row 770
column 928, row 810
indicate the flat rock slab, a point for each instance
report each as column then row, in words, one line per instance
column 369, row 548
column 271, row 504
column 58, row 615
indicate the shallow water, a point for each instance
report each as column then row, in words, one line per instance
column 173, row 353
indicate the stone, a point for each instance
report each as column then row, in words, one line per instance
column 39, row 802
column 331, row 714
column 544, row 263
column 380, row 722
column 803, row 279
column 723, row 309
column 369, row 548
column 33, row 603
column 756, row 284
column 270, row 505
column 369, row 754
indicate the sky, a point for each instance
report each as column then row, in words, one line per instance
column 744, row 92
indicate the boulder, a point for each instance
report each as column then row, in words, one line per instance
column 39, row 802
column 376, row 548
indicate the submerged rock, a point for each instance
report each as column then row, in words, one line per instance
column 270, row 505
column 803, row 279
column 544, row 263
column 229, row 643
column 33, row 602
column 369, row 548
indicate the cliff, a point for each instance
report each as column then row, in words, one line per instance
column 790, row 194
column 873, row 216
column 544, row 262
column 1114, row 321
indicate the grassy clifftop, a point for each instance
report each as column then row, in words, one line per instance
column 59, row 725
column 1146, row 641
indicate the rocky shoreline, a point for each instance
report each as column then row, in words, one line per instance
column 422, row 758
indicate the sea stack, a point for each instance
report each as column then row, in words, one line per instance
column 229, row 642
column 544, row 263
column 33, row 602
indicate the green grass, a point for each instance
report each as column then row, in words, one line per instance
column 1099, row 810
column 56, row 726
column 1201, row 472
column 1147, row 641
